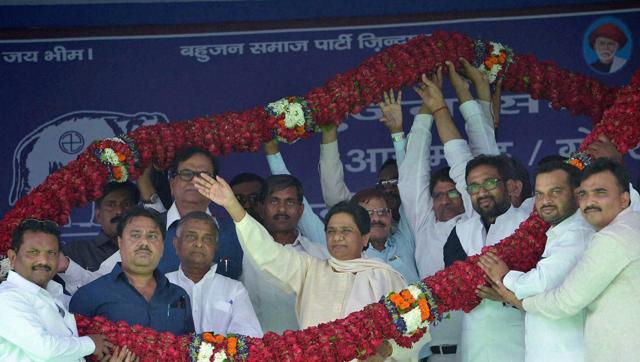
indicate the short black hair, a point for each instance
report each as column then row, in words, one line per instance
column 248, row 177
column 186, row 154
column 358, row 213
column 139, row 211
column 572, row 171
column 605, row 164
column 34, row 225
column 366, row 195
column 499, row 162
column 520, row 173
column 388, row 163
column 127, row 186
column 550, row 158
column 201, row 216
column 275, row 183
column 442, row 175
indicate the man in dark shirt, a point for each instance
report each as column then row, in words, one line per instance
column 135, row 291
column 116, row 199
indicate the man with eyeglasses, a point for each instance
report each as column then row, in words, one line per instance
column 281, row 212
column 187, row 164
column 492, row 331
column 435, row 202
column 400, row 256
column 35, row 323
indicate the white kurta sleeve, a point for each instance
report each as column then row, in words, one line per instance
column 22, row 326
column 414, row 173
column 482, row 138
column 332, row 182
column 399, row 146
column 284, row 264
column 601, row 263
column 550, row 271
column 458, row 154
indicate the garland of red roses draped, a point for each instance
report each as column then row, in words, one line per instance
column 360, row 333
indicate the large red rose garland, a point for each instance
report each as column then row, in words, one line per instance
column 359, row 334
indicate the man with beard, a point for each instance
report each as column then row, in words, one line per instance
column 136, row 291
column 605, row 41
column 219, row 303
column 492, row 331
column 435, row 202
column 281, row 212
column 35, row 323
column 381, row 245
column 547, row 339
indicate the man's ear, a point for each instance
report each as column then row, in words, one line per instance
column 365, row 240
column 626, row 199
column 12, row 257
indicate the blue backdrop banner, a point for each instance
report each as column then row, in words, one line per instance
column 58, row 95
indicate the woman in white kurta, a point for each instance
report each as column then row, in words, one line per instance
column 325, row 289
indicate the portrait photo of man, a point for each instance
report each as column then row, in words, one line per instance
column 606, row 41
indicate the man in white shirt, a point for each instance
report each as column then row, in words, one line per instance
column 547, row 339
column 281, row 212
column 35, row 323
column 219, row 304
column 432, row 202
column 491, row 331
column 605, row 283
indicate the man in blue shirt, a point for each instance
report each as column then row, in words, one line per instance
column 135, row 291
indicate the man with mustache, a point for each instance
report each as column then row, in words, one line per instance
column 78, row 257
column 135, row 291
column 492, row 331
column 220, row 304
column 282, row 209
column 555, row 201
column 35, row 323
column 605, row 283
column 381, row 245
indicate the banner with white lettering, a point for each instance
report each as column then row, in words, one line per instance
column 58, row 95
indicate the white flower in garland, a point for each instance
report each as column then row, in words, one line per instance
column 294, row 115
column 5, row 266
column 279, row 106
column 220, row 356
column 109, row 156
column 205, row 353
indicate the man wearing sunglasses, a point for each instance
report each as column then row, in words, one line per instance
column 35, row 323
column 187, row 164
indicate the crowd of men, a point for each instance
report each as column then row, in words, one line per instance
column 272, row 264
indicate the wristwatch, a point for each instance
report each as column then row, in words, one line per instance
column 397, row 137
column 152, row 199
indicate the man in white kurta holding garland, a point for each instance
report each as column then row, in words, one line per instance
column 547, row 339
column 325, row 289
column 605, row 283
